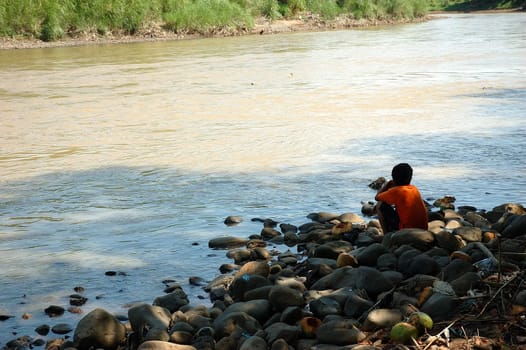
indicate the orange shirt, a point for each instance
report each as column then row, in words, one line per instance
column 409, row 205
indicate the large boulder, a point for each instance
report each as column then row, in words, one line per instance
column 99, row 329
column 151, row 320
column 417, row 238
column 227, row 323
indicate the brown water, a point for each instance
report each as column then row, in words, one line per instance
column 119, row 157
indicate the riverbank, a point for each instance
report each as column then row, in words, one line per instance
column 456, row 285
column 156, row 32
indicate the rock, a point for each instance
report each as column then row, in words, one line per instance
column 239, row 255
column 77, row 300
column 225, row 324
column 363, row 277
column 163, row 345
column 387, row 261
column 448, row 241
column 280, row 344
column 99, row 329
column 382, row 318
column 280, row 330
column 339, row 332
column 227, row 242
column 469, row 234
column 54, row 311
column 260, row 309
column 172, row 301
column 292, row 315
column 254, row 343
column 42, row 330
column 324, row 306
column 151, row 321
column 370, row 254
column 255, row 268
column 244, row 283
column 233, row 220
column 282, row 297
column 323, row 217
column 61, row 328
column 424, row 265
column 466, row 282
column 350, row 217
column 440, row 307
column 455, row 269
column 288, row 228
column 516, row 226
column 356, row 305
column 417, row 238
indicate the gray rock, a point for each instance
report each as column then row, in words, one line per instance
column 233, row 220
column 356, row 305
column 255, row 268
column 387, row 261
column 469, row 234
column 226, row 242
column 516, row 226
column 254, row 343
column 370, row 254
column 455, row 269
column 260, row 309
column 163, row 345
column 227, row 323
column 151, row 320
column 363, row 277
column 280, row 330
column 417, row 238
column 339, row 332
column 448, row 241
column 243, row 283
column 282, row 297
column 440, row 307
column 469, row 280
column 324, row 306
column 382, row 318
column 61, row 328
column 172, row 301
column 99, row 329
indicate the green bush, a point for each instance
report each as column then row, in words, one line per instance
column 327, row 9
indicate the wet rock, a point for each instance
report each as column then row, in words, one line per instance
column 466, row 282
column 99, row 329
column 323, row 217
column 516, row 226
column 240, row 255
column 255, row 268
column 356, row 305
column 448, row 241
column 387, row 261
column 455, row 269
column 77, row 300
column 227, row 242
column 61, row 328
column 150, row 321
column 260, row 309
column 163, row 345
column 42, row 329
column 292, row 315
column 54, row 311
column 233, row 220
column 172, row 301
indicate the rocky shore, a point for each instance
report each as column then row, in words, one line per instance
column 334, row 282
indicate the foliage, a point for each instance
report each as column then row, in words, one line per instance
column 52, row 19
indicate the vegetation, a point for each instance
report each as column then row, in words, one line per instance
column 53, row 19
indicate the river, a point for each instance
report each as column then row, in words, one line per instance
column 129, row 157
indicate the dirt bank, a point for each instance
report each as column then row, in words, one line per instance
column 156, row 32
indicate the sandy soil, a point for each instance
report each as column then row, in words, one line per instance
column 157, row 33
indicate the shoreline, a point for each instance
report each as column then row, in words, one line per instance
column 155, row 32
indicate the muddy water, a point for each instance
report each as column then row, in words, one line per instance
column 129, row 157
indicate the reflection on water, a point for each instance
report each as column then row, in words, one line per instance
column 129, row 157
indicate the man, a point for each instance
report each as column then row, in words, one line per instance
column 409, row 209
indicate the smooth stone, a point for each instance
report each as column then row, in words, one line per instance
column 370, row 254
column 439, row 307
column 269, row 232
column 288, row 228
column 387, row 261
column 363, row 277
column 282, row 297
column 54, row 311
column 520, row 298
column 280, row 330
column 254, row 343
column 469, row 280
column 99, row 329
column 323, row 217
column 255, row 268
column 448, row 241
column 356, row 305
column 239, row 255
column 227, row 323
column 453, row 224
column 424, row 265
column 455, row 269
column 181, row 337
column 42, row 329
column 469, row 234
column 436, row 226
column 350, row 217
column 233, row 220
column 417, row 238
column 172, row 301
column 382, row 318
column 313, row 263
column 516, row 226
column 226, row 242
column 163, row 345
column 324, row 306
column 260, row 309
column 292, row 315
column 155, row 319
column 339, row 332
column 244, row 283
column 61, row 328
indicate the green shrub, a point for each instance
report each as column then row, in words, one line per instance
column 327, row 9
column 360, row 8
column 51, row 28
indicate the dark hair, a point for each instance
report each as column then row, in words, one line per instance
column 402, row 174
